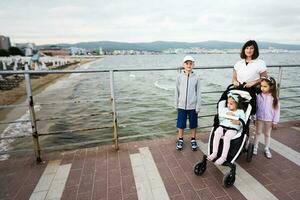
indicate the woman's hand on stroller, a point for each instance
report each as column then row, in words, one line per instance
column 236, row 83
column 249, row 84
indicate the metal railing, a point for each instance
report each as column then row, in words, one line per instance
column 33, row 120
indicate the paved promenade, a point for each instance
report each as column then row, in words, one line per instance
column 153, row 169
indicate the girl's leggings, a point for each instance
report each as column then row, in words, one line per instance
column 226, row 141
column 263, row 127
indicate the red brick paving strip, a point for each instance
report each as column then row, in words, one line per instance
column 19, row 177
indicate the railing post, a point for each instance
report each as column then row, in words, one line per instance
column 35, row 135
column 279, row 80
column 114, row 112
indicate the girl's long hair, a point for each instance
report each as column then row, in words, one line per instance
column 273, row 90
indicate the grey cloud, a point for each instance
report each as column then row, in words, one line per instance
column 144, row 20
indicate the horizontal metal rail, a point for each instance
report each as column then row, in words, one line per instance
column 14, row 137
column 159, row 121
column 13, row 106
column 288, row 107
column 55, row 132
column 289, row 97
column 291, row 116
column 73, row 116
column 212, row 92
column 142, row 98
column 15, row 122
column 73, row 102
column 128, row 69
column 74, row 130
column 289, row 87
column 55, row 118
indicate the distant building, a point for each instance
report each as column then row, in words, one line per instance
column 55, row 51
column 101, row 51
column 4, row 42
column 77, row 51
column 27, row 48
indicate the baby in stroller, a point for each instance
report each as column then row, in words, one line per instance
column 229, row 126
column 229, row 136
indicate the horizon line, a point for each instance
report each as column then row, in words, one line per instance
column 128, row 42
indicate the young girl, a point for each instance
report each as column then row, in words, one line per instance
column 267, row 113
column 231, row 126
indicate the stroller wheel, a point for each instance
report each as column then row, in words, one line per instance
column 200, row 168
column 229, row 179
column 250, row 152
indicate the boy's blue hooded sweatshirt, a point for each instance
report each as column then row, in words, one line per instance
column 188, row 92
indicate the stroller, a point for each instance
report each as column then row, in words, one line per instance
column 239, row 144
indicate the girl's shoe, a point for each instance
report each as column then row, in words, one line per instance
column 255, row 151
column 268, row 153
column 211, row 157
column 220, row 161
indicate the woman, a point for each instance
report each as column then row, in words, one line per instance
column 249, row 71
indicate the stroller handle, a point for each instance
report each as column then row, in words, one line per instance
column 240, row 87
column 230, row 86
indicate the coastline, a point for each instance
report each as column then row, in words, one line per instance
column 18, row 94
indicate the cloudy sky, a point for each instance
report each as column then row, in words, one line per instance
column 59, row 21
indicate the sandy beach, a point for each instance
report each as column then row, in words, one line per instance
column 18, row 94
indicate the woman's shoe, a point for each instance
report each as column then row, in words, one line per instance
column 255, row 151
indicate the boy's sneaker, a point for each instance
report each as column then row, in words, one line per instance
column 194, row 145
column 268, row 153
column 255, row 151
column 179, row 144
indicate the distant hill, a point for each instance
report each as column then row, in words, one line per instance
column 162, row 45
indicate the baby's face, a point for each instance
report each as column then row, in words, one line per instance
column 231, row 104
column 188, row 65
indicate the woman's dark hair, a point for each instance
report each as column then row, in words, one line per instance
column 248, row 44
column 273, row 90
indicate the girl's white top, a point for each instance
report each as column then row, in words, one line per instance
column 251, row 71
column 239, row 113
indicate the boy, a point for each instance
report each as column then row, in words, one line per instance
column 188, row 96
